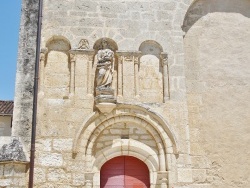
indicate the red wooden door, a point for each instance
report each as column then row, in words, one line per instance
column 124, row 172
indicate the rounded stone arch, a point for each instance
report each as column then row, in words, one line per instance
column 105, row 43
column 131, row 148
column 151, row 47
column 127, row 147
column 58, row 43
column 128, row 118
column 157, row 160
column 94, row 119
column 199, row 8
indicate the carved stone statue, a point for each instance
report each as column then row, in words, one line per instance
column 104, row 77
column 104, row 68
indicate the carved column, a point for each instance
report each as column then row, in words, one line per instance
column 85, row 56
column 89, row 180
column 89, row 184
column 120, row 79
column 163, row 179
column 128, row 73
column 164, row 61
column 136, row 69
column 72, row 73
column 42, row 68
column 89, row 72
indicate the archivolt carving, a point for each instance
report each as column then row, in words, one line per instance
column 132, row 113
column 128, row 147
column 129, row 118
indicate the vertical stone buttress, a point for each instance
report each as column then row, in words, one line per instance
column 22, row 115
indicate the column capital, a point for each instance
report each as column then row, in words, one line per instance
column 164, row 58
column 72, row 57
column 44, row 51
column 164, row 55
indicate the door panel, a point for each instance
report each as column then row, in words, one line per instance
column 124, row 172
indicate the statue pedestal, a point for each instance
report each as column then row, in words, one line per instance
column 105, row 99
column 105, row 107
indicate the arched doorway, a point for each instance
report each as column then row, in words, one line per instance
column 125, row 172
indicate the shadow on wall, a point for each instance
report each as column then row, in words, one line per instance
column 201, row 8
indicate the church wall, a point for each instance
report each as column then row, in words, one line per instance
column 217, row 76
column 128, row 24
column 172, row 131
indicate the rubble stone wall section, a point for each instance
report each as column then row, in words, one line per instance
column 22, row 115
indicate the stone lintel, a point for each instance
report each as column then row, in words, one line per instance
column 82, row 51
column 129, row 53
column 14, row 162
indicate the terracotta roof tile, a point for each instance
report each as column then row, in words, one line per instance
column 6, row 107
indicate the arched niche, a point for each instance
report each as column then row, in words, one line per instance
column 151, row 47
column 150, row 72
column 105, row 43
column 56, row 71
column 102, row 44
column 158, row 160
column 200, row 8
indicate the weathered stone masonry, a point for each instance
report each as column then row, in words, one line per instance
column 178, row 99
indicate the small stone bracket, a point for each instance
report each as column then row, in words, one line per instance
column 106, row 107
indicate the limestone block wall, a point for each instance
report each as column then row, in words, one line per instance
column 148, row 74
column 13, row 174
column 180, row 105
column 217, row 75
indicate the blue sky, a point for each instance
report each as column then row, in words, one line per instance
column 10, row 11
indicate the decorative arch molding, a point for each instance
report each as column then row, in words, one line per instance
column 134, row 113
column 128, row 147
column 59, row 38
column 55, row 58
column 210, row 7
column 105, row 43
column 89, row 143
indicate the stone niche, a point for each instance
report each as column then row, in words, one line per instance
column 55, row 69
column 104, row 74
column 150, row 73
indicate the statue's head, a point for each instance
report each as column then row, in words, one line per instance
column 105, row 55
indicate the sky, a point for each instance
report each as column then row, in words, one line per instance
column 10, row 11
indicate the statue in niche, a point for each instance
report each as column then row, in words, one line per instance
column 104, row 68
column 104, row 61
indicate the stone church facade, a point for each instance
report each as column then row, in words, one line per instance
column 163, row 81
